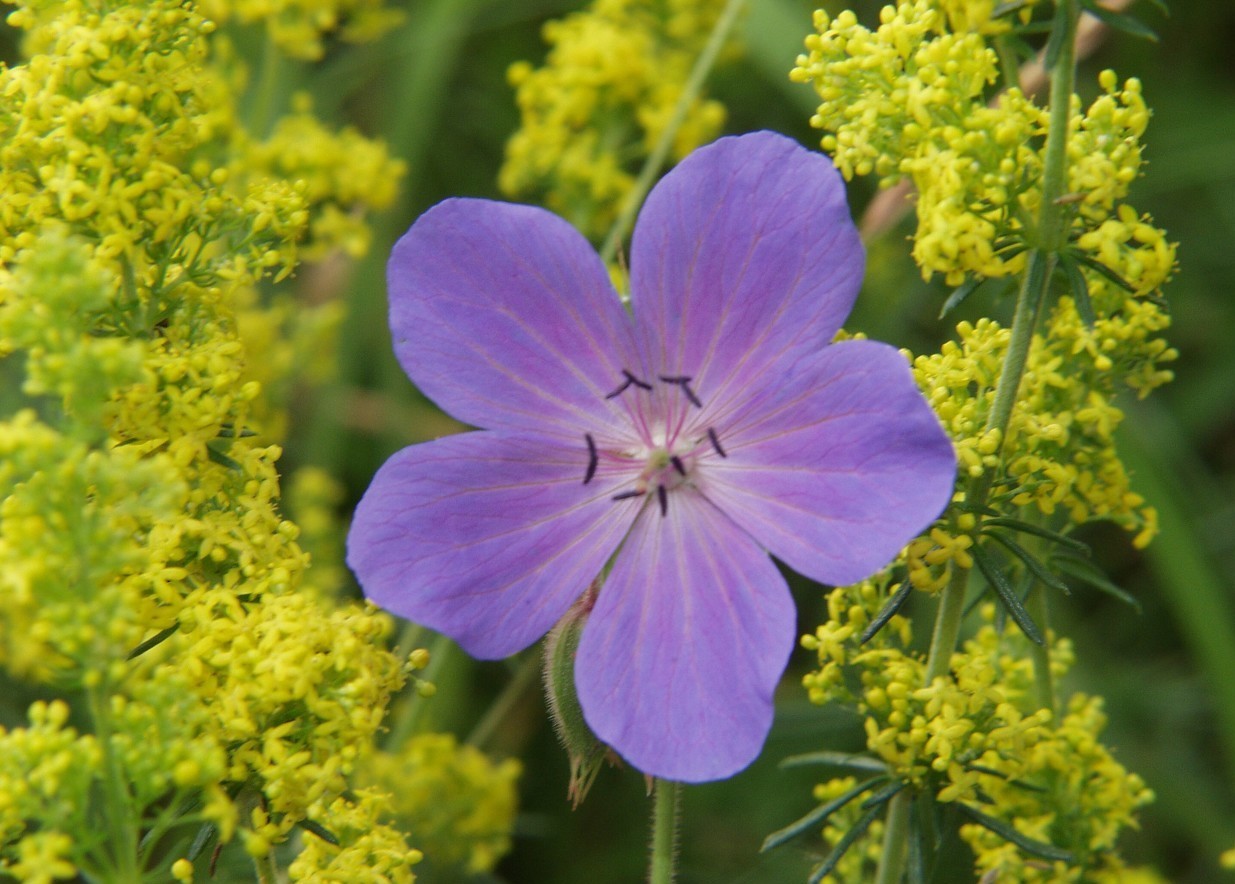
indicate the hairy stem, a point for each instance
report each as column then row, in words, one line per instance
column 662, row 867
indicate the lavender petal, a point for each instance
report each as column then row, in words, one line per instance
column 689, row 636
column 837, row 465
column 505, row 317
column 484, row 536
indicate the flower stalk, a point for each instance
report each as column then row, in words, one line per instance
column 662, row 866
column 1050, row 235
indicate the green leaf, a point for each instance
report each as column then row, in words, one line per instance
column 1008, row 8
column 1079, row 288
column 320, row 831
column 844, row 760
column 963, row 291
column 884, row 795
column 204, row 836
column 154, row 641
column 1161, row 6
column 889, row 611
column 222, row 459
column 1035, row 565
column 1090, row 574
column 1032, row 846
column 1006, row 594
column 1024, row 527
column 1121, row 21
column 825, row 868
column 817, row 816
column 1098, row 267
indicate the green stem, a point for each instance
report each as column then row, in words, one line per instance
column 1044, row 683
column 268, row 94
column 947, row 625
column 895, row 840
column 118, row 811
column 411, row 710
column 1050, row 235
column 656, row 159
column 267, row 869
column 662, row 868
column 506, row 700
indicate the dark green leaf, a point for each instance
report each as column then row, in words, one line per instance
column 1162, row 7
column 1090, row 574
column 817, row 816
column 1121, row 21
column 154, row 641
column 204, row 836
column 1032, row 846
column 889, row 611
column 1098, row 267
column 320, row 831
column 825, row 868
column 1079, row 288
column 883, row 795
column 1008, row 8
column 1037, row 531
column 1007, row 595
column 1037, row 567
column 222, row 459
column 843, row 760
column 963, row 291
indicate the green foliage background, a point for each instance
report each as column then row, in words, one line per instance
column 436, row 90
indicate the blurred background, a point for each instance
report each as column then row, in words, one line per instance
column 436, row 89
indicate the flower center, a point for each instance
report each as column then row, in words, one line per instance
column 670, row 444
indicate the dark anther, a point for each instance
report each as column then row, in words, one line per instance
column 662, row 497
column 683, row 381
column 593, row 458
column 715, row 442
column 630, row 379
column 677, row 464
column 627, row 495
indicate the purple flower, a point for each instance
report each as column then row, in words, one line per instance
column 681, row 444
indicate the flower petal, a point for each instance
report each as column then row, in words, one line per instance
column 742, row 252
column 841, row 466
column 484, row 536
column 505, row 317
column 689, row 636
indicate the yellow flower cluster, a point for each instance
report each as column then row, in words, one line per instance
column 146, row 558
column 592, row 113
column 340, row 176
column 1072, row 794
column 910, row 99
column 118, row 126
column 299, row 27
column 460, row 804
column 45, row 776
column 979, row 734
column 369, row 850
